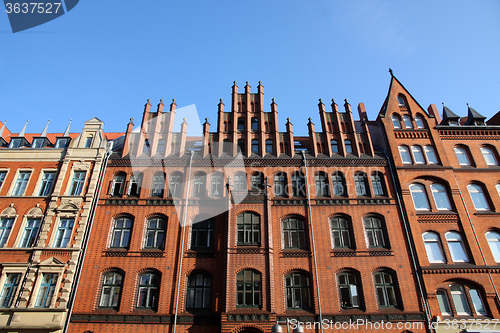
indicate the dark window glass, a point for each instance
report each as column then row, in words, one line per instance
column 294, row 234
column 121, row 232
column 248, row 289
column 148, row 291
column 386, row 293
column 348, row 290
column 199, row 291
column 297, row 291
column 155, row 234
column 111, row 289
column 202, row 235
column 374, row 232
column 340, row 233
column 248, row 229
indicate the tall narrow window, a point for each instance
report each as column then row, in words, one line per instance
column 298, row 186
column 335, row 146
column 64, row 231
column 431, row 155
column 477, row 302
column 340, row 233
column 348, row 290
column 385, row 289
column 3, row 174
column 378, row 184
column 489, row 156
column 241, row 146
column 348, row 146
column 174, row 185
column 148, row 291
column 121, row 232
column 198, row 291
column 255, row 146
column 444, row 305
column 9, row 290
column 297, row 291
column 418, row 156
column 419, row 197
column 248, row 229
column 21, row 183
column 227, row 147
column 158, row 185
column 134, row 185
column 30, row 233
column 241, row 124
column 88, row 142
column 240, row 181
column 338, row 184
column 256, row 181
column 117, row 185
column 146, row 149
column 361, row 184
column 216, row 185
column 46, row 292
column 280, row 185
column 199, row 185
column 462, row 156
column 401, row 100
column 440, row 197
column 160, row 148
column 77, row 183
column 405, row 155
column 111, row 290
column 407, row 122
column 255, row 124
column 456, row 247
column 494, row 243
column 460, row 300
column 395, row 122
column 269, row 146
column 248, row 289
column 155, row 234
column 420, row 122
column 46, row 184
column 478, row 197
column 374, row 232
column 321, row 181
column 433, row 247
column 5, row 228
column 202, row 235
column 294, row 234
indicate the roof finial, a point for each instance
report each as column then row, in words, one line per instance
column 44, row 133
column 273, row 100
column 320, row 100
column 149, row 100
column 66, row 133
column 161, row 100
column 3, row 127
column 260, row 83
column 206, row 120
column 333, row 100
column 247, row 83
column 221, row 100
column 346, row 101
column 234, row 82
column 23, row 130
column 390, row 71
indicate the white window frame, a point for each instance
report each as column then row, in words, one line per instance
column 36, row 192
column 405, row 149
column 429, row 150
column 4, row 180
column 435, row 185
column 407, row 118
column 420, row 186
column 463, row 152
column 430, row 249
column 484, row 198
column 487, row 151
column 462, row 246
column 419, row 148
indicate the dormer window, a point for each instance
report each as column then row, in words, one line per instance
column 62, row 143
column 37, row 143
column 15, row 143
column 453, row 122
column 88, row 141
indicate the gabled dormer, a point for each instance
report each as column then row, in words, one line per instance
column 20, row 141
column 474, row 118
column 64, row 140
column 41, row 141
column 449, row 117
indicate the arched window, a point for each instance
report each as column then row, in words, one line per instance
column 322, row 185
column 111, row 290
column 294, row 233
column 280, row 185
column 341, row 233
column 248, row 289
column 420, row 122
column 431, row 155
column 255, row 146
column 298, row 185
column 158, row 185
column 155, row 233
column 460, row 300
column 407, row 122
column 216, row 185
column 444, row 305
column 198, row 291
column 395, row 122
column 88, row 141
column 240, row 181
column 419, row 197
column 494, row 243
column 147, row 297
column 202, row 235
column 441, row 198
column 456, row 247
column 174, row 185
column 418, row 156
column 256, row 181
column 489, row 156
column 248, row 229
column 255, row 124
column 241, row 124
column 338, row 183
column 117, row 185
column 378, row 184
column 335, row 146
column 160, row 149
column 348, row 146
column 462, row 155
column 348, row 290
column 199, row 184
column 297, row 291
column 385, row 287
column 361, row 184
column 134, row 185
column 478, row 198
column 374, row 232
column 121, row 232
column 401, row 100
column 433, row 247
column 269, row 146
column 405, row 155
column 463, row 305
column 497, row 186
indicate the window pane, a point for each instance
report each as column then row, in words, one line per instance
column 405, row 155
column 459, row 300
column 407, row 122
column 434, row 252
column 440, row 197
column 462, row 156
column 477, row 302
column 456, row 247
column 395, row 122
column 444, row 305
column 478, row 198
column 419, row 122
column 419, row 197
column 418, row 155
column 489, row 156
column 431, row 155
column 494, row 243
column 5, row 228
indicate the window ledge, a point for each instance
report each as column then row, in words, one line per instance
column 487, row 212
column 439, row 212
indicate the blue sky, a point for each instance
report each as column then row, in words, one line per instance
column 106, row 58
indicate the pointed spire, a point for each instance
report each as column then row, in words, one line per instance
column 23, row 131
column 390, row 71
column 66, row 133
column 44, row 133
column 3, row 128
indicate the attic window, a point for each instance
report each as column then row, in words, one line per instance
column 61, row 143
column 453, row 122
column 401, row 100
column 15, row 143
column 88, row 141
column 37, row 143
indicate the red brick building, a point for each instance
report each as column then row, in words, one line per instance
column 449, row 174
column 309, row 230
